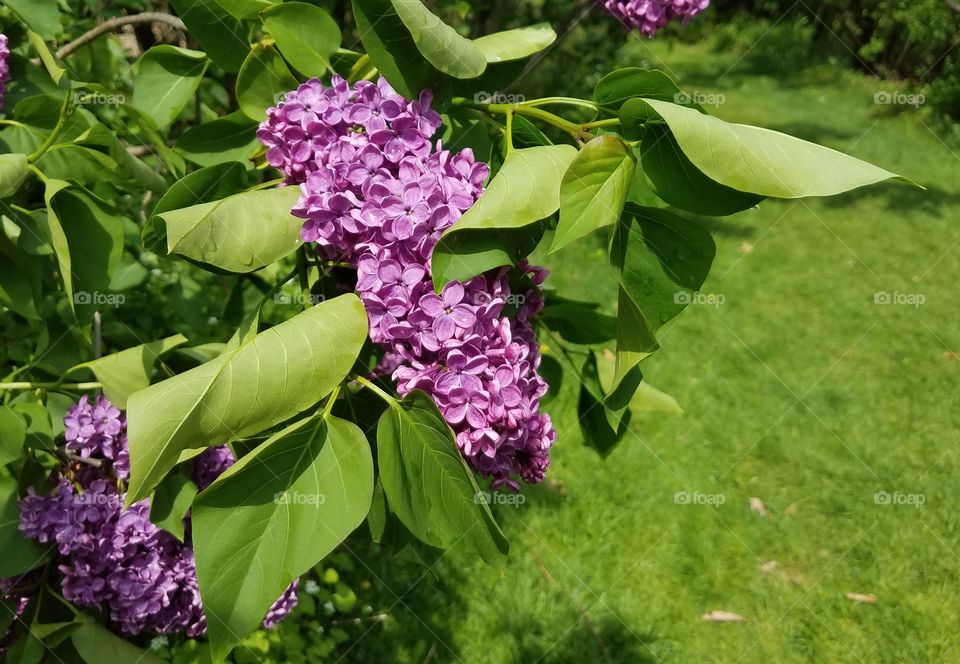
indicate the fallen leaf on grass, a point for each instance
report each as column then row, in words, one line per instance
column 866, row 598
column 756, row 505
column 722, row 616
column 791, row 510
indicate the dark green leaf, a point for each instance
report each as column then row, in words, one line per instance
column 263, row 77
column 223, row 37
column 20, row 555
column 13, row 433
column 230, row 138
column 620, row 85
column 428, row 484
column 41, row 16
column 171, row 501
column 98, row 645
column 579, row 324
column 391, row 47
column 602, row 428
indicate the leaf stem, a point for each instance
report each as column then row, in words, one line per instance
column 26, row 385
column 608, row 122
column 565, row 101
column 509, row 132
column 380, row 393
column 578, row 132
column 66, row 110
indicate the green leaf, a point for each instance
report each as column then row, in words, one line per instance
column 246, row 8
column 389, row 43
column 13, row 173
column 96, row 645
column 129, row 371
column 170, row 503
column 263, row 77
column 762, row 161
column 165, row 80
column 274, row 515
column 41, row 16
column 524, row 191
column 223, row 36
column 306, row 35
column 13, row 433
column 246, row 390
column 240, row 233
column 428, row 484
column 661, row 259
column 649, row 399
column 88, row 241
column 681, row 184
column 20, row 555
column 620, row 85
column 230, row 138
column 515, row 44
column 602, row 427
column 472, row 252
column 201, row 186
column 593, row 189
column 21, row 277
column 440, row 44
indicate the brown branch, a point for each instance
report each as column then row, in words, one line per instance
column 120, row 21
column 953, row 4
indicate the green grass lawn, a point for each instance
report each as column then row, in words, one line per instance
column 799, row 390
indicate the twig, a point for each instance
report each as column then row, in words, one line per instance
column 93, row 463
column 952, row 4
column 120, row 21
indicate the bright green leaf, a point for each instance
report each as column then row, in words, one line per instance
column 681, row 184
column 441, row 45
column 391, row 47
column 13, row 433
column 524, row 191
column 41, row 16
column 594, row 189
column 13, row 172
column 306, row 35
column 428, row 484
column 97, row 645
column 274, row 515
column 620, row 85
column 221, row 34
column 165, row 81
column 240, row 233
column 170, row 503
column 762, row 161
column 129, row 371
column 279, row 374
column 515, row 44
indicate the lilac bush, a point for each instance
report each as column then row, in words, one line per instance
column 115, row 558
column 378, row 193
column 649, row 16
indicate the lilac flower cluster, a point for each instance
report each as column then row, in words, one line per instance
column 649, row 16
column 115, row 558
column 4, row 67
column 377, row 193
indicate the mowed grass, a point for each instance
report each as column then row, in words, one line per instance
column 799, row 390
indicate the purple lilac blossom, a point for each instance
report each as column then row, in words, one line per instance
column 114, row 558
column 377, row 193
column 649, row 16
column 4, row 67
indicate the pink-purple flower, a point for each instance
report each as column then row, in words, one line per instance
column 376, row 191
column 649, row 16
column 4, row 67
column 113, row 558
